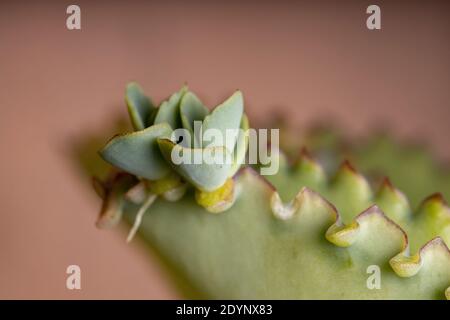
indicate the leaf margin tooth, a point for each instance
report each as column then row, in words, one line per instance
column 343, row 235
column 406, row 265
column 392, row 201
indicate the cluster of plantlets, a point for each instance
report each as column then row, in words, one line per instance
column 147, row 152
column 296, row 234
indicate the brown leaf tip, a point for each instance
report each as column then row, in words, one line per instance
column 435, row 197
column 386, row 183
column 305, row 154
column 346, row 165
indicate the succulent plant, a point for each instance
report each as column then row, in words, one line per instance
column 160, row 132
column 296, row 234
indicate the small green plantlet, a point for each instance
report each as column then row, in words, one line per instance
column 147, row 153
column 296, row 235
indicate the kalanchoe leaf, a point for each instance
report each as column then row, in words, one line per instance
column 343, row 235
column 432, row 219
column 241, row 146
column 432, row 259
column 406, row 265
column 350, row 192
column 191, row 109
column 169, row 110
column 225, row 116
column 140, row 107
column 138, row 152
column 305, row 172
column 307, row 169
column 392, row 200
column 257, row 251
column 203, row 175
column 382, row 155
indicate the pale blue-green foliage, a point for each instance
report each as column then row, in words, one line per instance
column 169, row 111
column 207, row 176
column 140, row 107
column 191, row 110
column 248, row 253
column 226, row 116
column 140, row 154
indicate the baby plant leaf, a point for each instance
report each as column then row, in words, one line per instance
column 169, row 110
column 191, row 109
column 138, row 152
column 225, row 116
column 241, row 146
column 203, row 175
column 140, row 107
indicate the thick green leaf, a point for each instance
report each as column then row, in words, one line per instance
column 169, row 110
column 350, row 192
column 205, row 176
column 138, row 152
column 191, row 109
column 227, row 115
column 382, row 156
column 247, row 252
column 241, row 146
column 140, row 107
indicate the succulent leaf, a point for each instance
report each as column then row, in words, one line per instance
column 169, row 110
column 379, row 156
column 191, row 109
column 350, row 192
column 225, row 116
column 241, row 146
column 432, row 219
column 138, row 152
column 305, row 172
column 262, row 256
column 140, row 107
column 383, row 155
column 205, row 175
column 392, row 200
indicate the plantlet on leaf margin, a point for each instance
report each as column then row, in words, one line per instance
column 146, row 152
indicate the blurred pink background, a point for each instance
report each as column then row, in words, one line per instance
column 309, row 60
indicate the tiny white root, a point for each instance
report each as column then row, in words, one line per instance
column 137, row 221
